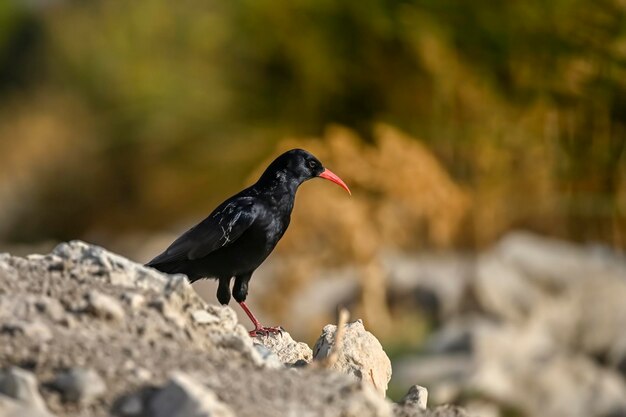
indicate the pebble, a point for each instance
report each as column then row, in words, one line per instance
column 35, row 330
column 104, row 306
column 134, row 300
column 21, row 385
column 80, row 385
column 183, row 396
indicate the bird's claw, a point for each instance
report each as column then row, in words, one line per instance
column 266, row 331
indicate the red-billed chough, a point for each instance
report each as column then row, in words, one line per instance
column 242, row 231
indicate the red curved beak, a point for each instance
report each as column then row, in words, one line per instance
column 329, row 175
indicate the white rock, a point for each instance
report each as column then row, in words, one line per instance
column 523, row 366
column 182, row 396
column 104, row 306
column 288, row 350
column 270, row 358
column 555, row 263
column 90, row 260
column 169, row 312
column 361, row 356
column 501, row 289
column 204, row 317
column 134, row 300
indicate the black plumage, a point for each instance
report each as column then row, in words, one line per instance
column 242, row 231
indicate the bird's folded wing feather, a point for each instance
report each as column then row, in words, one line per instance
column 224, row 226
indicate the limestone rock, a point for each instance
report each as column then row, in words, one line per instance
column 85, row 260
column 361, row 356
column 134, row 300
column 103, row 306
column 270, row 358
column 116, row 366
column 556, row 264
column 204, row 317
column 503, row 290
column 525, row 367
column 288, row 350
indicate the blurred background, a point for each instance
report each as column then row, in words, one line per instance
column 456, row 124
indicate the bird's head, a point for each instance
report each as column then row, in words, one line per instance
column 300, row 165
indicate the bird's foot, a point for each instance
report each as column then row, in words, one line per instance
column 266, row 331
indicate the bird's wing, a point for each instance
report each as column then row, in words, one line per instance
column 225, row 225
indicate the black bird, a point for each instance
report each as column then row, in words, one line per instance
column 242, row 231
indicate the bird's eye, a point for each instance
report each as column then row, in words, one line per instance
column 312, row 164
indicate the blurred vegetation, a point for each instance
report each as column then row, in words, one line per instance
column 402, row 197
column 119, row 116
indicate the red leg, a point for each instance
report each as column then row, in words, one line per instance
column 259, row 330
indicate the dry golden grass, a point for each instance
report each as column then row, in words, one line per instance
column 402, row 198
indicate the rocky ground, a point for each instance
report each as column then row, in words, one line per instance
column 84, row 332
column 532, row 327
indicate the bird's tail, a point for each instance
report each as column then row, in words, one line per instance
column 174, row 268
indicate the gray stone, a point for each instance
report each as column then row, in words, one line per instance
column 288, row 350
column 104, row 306
column 524, row 366
column 83, row 259
column 416, row 397
column 80, row 385
column 182, row 396
column 503, row 290
column 361, row 355
column 130, row 406
column 21, row 385
column 556, row 264
column 270, row 358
